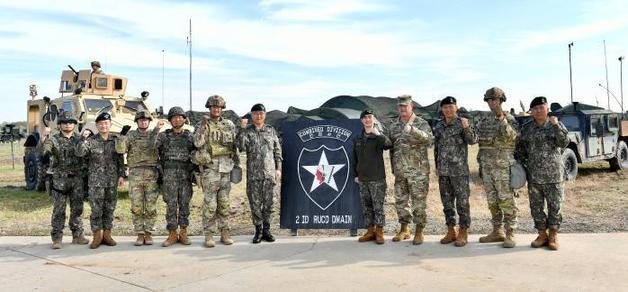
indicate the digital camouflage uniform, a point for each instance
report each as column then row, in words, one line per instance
column 174, row 151
column 142, row 161
column 218, row 140
column 496, row 139
column 67, row 184
column 539, row 150
column 263, row 159
column 411, row 169
column 105, row 166
column 451, row 142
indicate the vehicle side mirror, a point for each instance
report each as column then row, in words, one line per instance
column 81, row 116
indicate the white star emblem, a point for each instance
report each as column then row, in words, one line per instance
column 323, row 173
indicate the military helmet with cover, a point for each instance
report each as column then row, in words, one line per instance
column 176, row 111
column 142, row 114
column 495, row 92
column 66, row 117
column 215, row 100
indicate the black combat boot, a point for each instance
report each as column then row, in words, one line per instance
column 266, row 233
column 257, row 238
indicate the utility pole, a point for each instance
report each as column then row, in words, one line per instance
column 608, row 95
column 570, row 73
column 190, row 46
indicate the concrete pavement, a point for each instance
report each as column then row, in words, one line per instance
column 585, row 262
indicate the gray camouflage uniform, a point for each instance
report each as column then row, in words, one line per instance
column 67, row 184
column 539, row 149
column 451, row 142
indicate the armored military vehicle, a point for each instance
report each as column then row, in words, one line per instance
column 86, row 94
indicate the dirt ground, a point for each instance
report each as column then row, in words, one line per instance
column 597, row 201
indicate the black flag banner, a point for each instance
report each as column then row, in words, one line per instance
column 317, row 190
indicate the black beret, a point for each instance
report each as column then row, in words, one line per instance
column 258, row 108
column 538, row 101
column 448, row 100
column 366, row 112
column 103, row 116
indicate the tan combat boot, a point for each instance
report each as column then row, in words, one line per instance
column 172, row 238
column 496, row 236
column 56, row 244
column 209, row 241
column 369, row 235
column 509, row 241
column 225, row 238
column 80, row 239
column 97, row 240
column 450, row 236
column 140, row 240
column 461, row 239
column 183, row 236
column 540, row 240
column 404, row 233
column 379, row 234
column 553, row 239
column 107, row 239
column 148, row 239
column 418, row 235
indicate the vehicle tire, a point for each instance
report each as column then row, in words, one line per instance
column 571, row 164
column 34, row 172
column 620, row 161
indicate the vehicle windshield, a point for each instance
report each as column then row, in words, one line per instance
column 94, row 105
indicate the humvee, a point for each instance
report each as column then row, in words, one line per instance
column 86, row 95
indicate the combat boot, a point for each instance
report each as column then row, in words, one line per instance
column 97, row 240
column 80, row 239
column 225, row 238
column 540, row 240
column 257, row 238
column 369, row 235
column 56, row 244
column 496, row 236
column 509, row 241
column 107, row 239
column 404, row 233
column 418, row 235
column 148, row 239
column 553, row 239
column 172, row 238
column 379, row 234
column 461, row 239
column 140, row 240
column 183, row 236
column 450, row 236
column 266, row 235
column 209, row 241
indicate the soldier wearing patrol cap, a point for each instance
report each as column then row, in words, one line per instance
column 67, row 185
column 142, row 159
column 539, row 150
column 497, row 132
column 215, row 137
column 106, row 171
column 174, row 147
column 452, row 137
column 410, row 136
column 263, row 169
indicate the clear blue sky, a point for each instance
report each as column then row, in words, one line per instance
column 300, row 53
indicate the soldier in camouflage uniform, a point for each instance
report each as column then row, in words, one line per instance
column 497, row 132
column 174, row 147
column 263, row 169
column 214, row 137
column 106, row 171
column 410, row 136
column 67, row 184
column 370, row 174
column 452, row 135
column 142, row 159
column 539, row 149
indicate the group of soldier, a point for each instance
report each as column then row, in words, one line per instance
column 537, row 146
column 166, row 160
